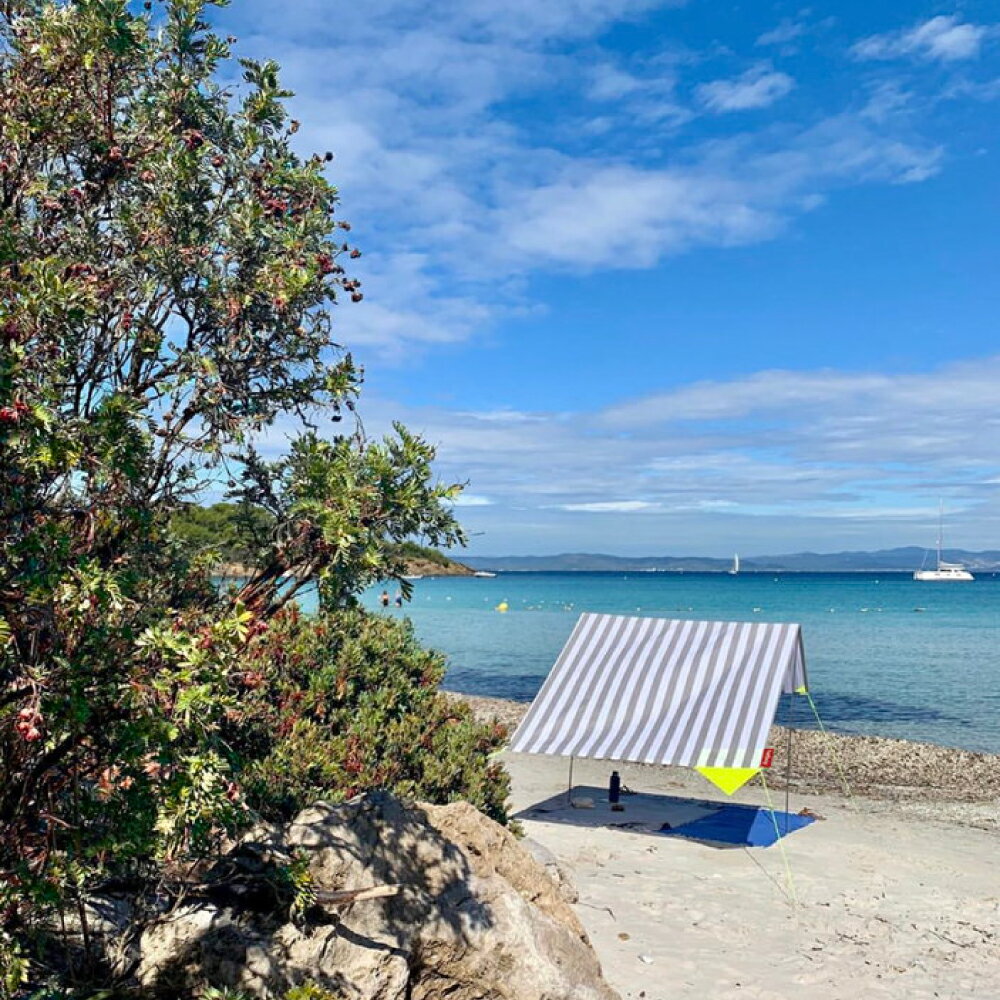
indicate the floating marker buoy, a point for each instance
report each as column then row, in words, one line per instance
column 502, row 606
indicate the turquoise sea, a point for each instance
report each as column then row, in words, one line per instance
column 886, row 655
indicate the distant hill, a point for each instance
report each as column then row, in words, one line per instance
column 904, row 559
column 423, row 561
column 235, row 533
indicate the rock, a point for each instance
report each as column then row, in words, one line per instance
column 110, row 934
column 554, row 868
column 477, row 918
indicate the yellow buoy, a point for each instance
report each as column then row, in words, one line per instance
column 502, row 606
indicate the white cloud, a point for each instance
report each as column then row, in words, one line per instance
column 631, row 217
column 945, row 38
column 610, row 506
column 644, row 93
column 764, row 392
column 610, row 83
column 502, row 416
column 804, row 455
column 455, row 199
column 731, row 192
column 472, row 500
column 758, row 87
column 785, row 31
column 405, row 306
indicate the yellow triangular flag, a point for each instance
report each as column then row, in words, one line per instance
column 728, row 779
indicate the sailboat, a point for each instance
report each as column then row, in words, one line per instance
column 945, row 571
column 736, row 565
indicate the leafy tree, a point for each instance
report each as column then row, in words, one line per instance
column 168, row 267
column 242, row 535
column 235, row 533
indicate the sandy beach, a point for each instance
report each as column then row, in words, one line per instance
column 895, row 892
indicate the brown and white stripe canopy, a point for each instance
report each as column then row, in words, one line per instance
column 658, row 691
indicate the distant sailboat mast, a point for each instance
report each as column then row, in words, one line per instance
column 940, row 530
column 736, row 565
column 944, row 571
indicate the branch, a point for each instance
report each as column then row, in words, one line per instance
column 343, row 897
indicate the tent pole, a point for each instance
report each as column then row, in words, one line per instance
column 788, row 774
column 569, row 785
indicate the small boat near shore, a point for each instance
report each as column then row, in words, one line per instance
column 484, row 574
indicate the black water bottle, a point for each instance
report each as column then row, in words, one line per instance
column 614, row 788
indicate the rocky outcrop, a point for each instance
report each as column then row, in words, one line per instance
column 433, row 567
column 475, row 917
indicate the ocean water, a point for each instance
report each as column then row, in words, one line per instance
column 886, row 655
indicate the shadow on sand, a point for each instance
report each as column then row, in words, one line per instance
column 722, row 825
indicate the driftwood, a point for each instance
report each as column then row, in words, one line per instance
column 341, row 897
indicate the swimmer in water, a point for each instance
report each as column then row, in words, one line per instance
column 384, row 598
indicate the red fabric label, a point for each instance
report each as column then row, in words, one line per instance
column 767, row 757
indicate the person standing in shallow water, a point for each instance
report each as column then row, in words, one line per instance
column 384, row 598
column 399, row 599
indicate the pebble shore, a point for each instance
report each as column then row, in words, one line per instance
column 871, row 767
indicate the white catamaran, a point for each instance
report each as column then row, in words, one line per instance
column 945, row 571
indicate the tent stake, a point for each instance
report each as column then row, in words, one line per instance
column 569, row 785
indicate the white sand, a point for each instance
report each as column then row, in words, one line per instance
column 890, row 903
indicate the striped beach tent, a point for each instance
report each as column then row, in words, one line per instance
column 660, row 691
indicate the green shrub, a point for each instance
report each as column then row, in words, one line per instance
column 310, row 991
column 348, row 702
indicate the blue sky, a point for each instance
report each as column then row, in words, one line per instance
column 681, row 277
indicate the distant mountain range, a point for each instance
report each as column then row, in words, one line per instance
column 883, row 561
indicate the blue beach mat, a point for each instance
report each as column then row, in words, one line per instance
column 741, row 826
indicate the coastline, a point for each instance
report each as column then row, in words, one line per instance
column 414, row 567
column 876, row 768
